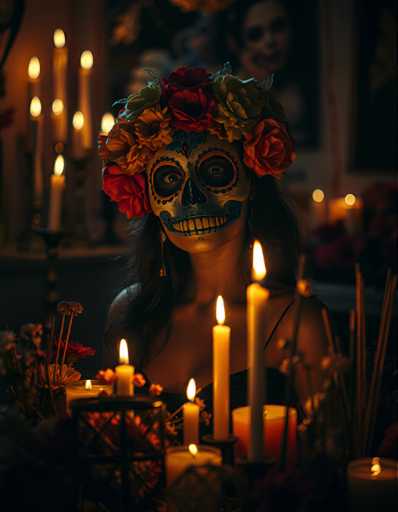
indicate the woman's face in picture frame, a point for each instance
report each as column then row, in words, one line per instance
column 265, row 39
column 199, row 189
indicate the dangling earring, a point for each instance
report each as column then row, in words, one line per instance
column 163, row 270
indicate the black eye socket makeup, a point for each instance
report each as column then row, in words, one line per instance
column 216, row 170
column 168, row 178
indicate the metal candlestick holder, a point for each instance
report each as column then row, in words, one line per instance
column 120, row 445
column 226, row 446
column 52, row 240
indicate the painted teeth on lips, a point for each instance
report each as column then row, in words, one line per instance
column 199, row 225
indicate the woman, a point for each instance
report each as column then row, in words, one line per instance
column 193, row 160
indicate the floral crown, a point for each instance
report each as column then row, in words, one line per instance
column 191, row 100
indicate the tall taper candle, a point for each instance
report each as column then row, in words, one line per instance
column 36, row 130
column 221, row 343
column 34, row 78
column 257, row 297
column 86, row 63
column 77, row 135
column 191, row 416
column 60, row 63
column 56, row 192
column 124, row 372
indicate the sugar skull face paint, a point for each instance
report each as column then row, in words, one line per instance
column 198, row 187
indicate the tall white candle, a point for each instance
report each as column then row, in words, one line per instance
column 124, row 372
column 33, row 78
column 191, row 416
column 319, row 211
column 86, row 64
column 221, row 349
column 373, row 484
column 60, row 63
column 77, row 137
column 36, row 130
column 257, row 297
column 57, row 186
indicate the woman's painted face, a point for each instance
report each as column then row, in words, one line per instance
column 265, row 34
column 199, row 188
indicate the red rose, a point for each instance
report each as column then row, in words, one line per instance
column 129, row 192
column 269, row 148
column 189, row 98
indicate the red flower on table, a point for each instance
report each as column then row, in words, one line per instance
column 129, row 192
column 189, row 98
column 269, row 148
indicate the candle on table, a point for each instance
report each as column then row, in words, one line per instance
column 191, row 416
column 85, row 389
column 60, row 62
column 36, row 129
column 86, row 63
column 33, row 78
column 77, row 137
column 273, row 419
column 56, row 194
column 373, row 484
column 180, row 458
column 124, row 372
column 221, row 348
column 257, row 297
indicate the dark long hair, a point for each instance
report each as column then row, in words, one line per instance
column 270, row 220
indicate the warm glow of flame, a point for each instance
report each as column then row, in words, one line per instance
column 107, row 122
column 123, row 352
column 193, row 449
column 318, row 195
column 191, row 390
column 86, row 59
column 78, row 120
column 59, row 165
column 35, row 107
column 34, row 68
column 259, row 271
column 88, row 385
column 59, row 38
column 350, row 199
column 220, row 310
column 375, row 468
column 57, row 107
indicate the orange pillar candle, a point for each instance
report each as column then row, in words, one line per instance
column 124, row 372
column 191, row 416
column 273, row 417
column 221, row 344
column 257, row 298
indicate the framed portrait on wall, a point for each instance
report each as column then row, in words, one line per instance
column 375, row 87
column 257, row 37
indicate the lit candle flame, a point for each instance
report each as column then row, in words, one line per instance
column 78, row 120
column 123, row 352
column 193, row 450
column 375, row 468
column 34, row 68
column 220, row 310
column 59, row 165
column 88, row 385
column 59, row 38
column 318, row 195
column 86, row 59
column 57, row 107
column 35, row 107
column 107, row 122
column 191, row 390
column 350, row 199
column 259, row 270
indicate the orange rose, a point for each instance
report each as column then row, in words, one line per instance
column 269, row 148
column 152, row 128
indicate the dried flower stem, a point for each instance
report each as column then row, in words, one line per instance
column 59, row 339
column 71, row 318
column 381, row 350
column 359, row 360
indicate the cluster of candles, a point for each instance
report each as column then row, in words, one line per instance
column 82, row 136
column 347, row 209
